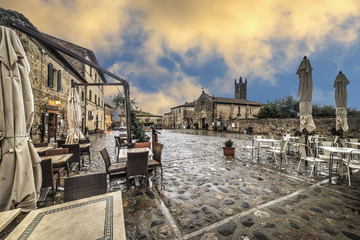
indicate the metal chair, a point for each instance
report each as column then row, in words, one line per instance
column 137, row 164
column 112, row 168
column 83, row 186
column 303, row 149
column 351, row 164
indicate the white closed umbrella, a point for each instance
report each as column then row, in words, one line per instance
column 341, row 101
column 74, row 118
column 20, row 169
column 305, row 95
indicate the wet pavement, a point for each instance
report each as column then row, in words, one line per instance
column 209, row 196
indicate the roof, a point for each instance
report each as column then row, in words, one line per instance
column 169, row 113
column 186, row 104
column 146, row 114
column 233, row 100
column 105, row 104
column 236, row 101
column 79, row 50
column 7, row 17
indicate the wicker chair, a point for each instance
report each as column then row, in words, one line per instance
column 84, row 186
column 48, row 176
column 75, row 150
column 156, row 160
column 60, row 142
column 137, row 164
column 42, row 144
column 112, row 168
column 85, row 151
column 59, row 167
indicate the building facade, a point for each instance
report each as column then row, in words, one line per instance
column 51, row 74
column 146, row 118
column 108, row 116
column 182, row 116
column 167, row 120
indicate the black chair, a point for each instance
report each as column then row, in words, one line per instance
column 60, row 142
column 75, row 150
column 48, row 177
column 85, row 151
column 42, row 144
column 59, row 167
column 137, row 164
column 112, row 168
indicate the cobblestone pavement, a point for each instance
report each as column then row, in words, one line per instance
column 209, row 196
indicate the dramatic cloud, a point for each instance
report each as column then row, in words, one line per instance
column 255, row 38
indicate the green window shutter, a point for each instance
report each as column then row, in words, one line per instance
column 59, row 80
column 50, row 75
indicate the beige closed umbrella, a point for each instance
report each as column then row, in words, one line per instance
column 341, row 101
column 305, row 95
column 20, row 169
column 74, row 118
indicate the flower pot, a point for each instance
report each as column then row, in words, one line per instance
column 229, row 151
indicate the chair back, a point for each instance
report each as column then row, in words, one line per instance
column 157, row 152
column 60, row 142
column 82, row 141
column 117, row 141
column 75, row 150
column 143, row 145
column 47, row 173
column 123, row 135
column 42, row 144
column 83, row 186
column 137, row 163
column 105, row 155
column 57, row 151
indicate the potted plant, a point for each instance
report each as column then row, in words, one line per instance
column 229, row 150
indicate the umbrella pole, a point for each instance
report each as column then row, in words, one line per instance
column 306, row 143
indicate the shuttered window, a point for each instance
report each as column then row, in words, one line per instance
column 59, row 81
column 50, row 75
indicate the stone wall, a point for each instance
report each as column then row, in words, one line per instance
column 39, row 57
column 291, row 125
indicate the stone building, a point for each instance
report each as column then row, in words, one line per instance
column 215, row 113
column 146, row 118
column 182, row 116
column 94, row 117
column 108, row 116
column 167, row 120
column 51, row 74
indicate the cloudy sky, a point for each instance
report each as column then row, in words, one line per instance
column 169, row 50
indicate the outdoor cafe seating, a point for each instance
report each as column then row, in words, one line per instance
column 48, row 178
column 137, row 164
column 112, row 168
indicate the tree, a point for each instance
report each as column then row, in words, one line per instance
column 136, row 126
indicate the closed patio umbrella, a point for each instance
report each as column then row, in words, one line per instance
column 305, row 95
column 341, row 101
column 20, row 170
column 74, row 118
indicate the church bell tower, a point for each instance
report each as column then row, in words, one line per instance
column 241, row 89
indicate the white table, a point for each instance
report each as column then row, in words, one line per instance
column 334, row 150
column 123, row 152
column 98, row 217
column 259, row 140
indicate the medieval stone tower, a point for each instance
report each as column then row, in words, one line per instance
column 240, row 89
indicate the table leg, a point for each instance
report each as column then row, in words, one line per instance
column 137, row 183
column 258, row 151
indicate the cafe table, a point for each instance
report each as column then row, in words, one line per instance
column 265, row 140
column 43, row 149
column 61, row 158
column 97, row 217
column 333, row 150
column 123, row 152
column 6, row 217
